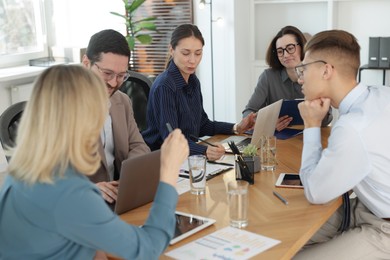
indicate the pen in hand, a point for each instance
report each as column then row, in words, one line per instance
column 195, row 139
column 169, row 127
column 280, row 197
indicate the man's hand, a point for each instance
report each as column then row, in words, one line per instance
column 314, row 111
column 109, row 190
column 215, row 153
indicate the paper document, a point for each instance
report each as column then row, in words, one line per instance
column 226, row 243
column 212, row 169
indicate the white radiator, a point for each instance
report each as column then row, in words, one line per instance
column 21, row 92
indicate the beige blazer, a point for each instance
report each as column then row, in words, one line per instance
column 128, row 141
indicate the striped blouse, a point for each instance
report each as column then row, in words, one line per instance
column 172, row 100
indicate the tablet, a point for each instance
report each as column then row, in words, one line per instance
column 188, row 224
column 289, row 180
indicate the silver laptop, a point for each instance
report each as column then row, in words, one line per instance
column 138, row 183
column 265, row 125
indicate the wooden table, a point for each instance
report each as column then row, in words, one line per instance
column 292, row 224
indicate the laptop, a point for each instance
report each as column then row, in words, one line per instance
column 265, row 125
column 139, row 179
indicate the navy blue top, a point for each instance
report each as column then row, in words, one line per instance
column 172, row 100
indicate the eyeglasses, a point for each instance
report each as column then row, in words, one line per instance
column 109, row 75
column 301, row 68
column 290, row 49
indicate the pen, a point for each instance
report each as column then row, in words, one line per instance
column 184, row 176
column 169, row 127
column 280, row 197
column 220, row 163
column 194, row 138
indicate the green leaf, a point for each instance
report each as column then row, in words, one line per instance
column 144, row 26
column 151, row 18
column 134, row 5
column 120, row 15
column 144, row 38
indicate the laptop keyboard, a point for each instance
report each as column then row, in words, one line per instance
column 241, row 145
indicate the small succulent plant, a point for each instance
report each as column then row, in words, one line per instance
column 250, row 150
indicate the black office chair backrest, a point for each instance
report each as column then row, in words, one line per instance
column 137, row 87
column 9, row 122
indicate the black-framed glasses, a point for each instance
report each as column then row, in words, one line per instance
column 290, row 49
column 301, row 68
column 109, row 74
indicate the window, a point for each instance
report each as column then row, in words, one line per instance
column 150, row 59
column 21, row 32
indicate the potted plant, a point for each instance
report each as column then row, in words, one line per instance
column 136, row 29
column 251, row 157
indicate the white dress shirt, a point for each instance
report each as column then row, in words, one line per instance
column 108, row 146
column 358, row 152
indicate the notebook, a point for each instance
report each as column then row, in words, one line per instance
column 265, row 125
column 139, row 179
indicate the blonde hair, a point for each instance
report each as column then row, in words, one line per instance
column 61, row 125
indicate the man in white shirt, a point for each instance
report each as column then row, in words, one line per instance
column 358, row 154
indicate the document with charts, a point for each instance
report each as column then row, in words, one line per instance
column 226, row 243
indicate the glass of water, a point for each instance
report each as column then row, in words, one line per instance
column 197, row 172
column 238, row 203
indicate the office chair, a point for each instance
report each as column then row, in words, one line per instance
column 9, row 122
column 137, row 87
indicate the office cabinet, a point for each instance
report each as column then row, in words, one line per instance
column 373, row 52
column 384, row 52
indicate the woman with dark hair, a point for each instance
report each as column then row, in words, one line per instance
column 280, row 81
column 176, row 98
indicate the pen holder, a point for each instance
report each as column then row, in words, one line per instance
column 243, row 172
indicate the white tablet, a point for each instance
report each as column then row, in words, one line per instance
column 289, row 180
column 188, row 224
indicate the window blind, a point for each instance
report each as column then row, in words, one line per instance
column 150, row 59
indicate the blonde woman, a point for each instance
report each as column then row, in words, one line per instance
column 48, row 207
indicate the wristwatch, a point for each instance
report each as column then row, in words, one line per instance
column 235, row 129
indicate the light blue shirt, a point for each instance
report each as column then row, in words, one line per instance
column 70, row 220
column 358, row 152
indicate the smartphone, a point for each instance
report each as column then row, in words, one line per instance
column 289, row 180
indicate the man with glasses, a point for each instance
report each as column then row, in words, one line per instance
column 357, row 156
column 108, row 56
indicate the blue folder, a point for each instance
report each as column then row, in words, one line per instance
column 290, row 108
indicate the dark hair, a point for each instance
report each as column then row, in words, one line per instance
column 184, row 31
column 340, row 46
column 272, row 57
column 107, row 41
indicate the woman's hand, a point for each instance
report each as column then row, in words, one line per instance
column 247, row 123
column 174, row 151
column 283, row 122
column 215, row 153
